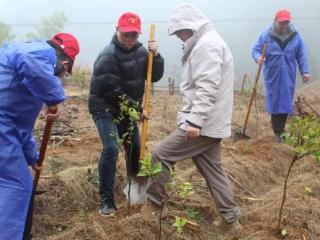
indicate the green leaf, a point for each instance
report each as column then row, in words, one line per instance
column 175, row 224
column 284, row 232
column 169, row 185
column 179, row 224
column 300, row 150
column 183, row 222
column 148, row 158
column 173, row 173
column 193, row 214
column 133, row 114
column 142, row 174
column 186, row 190
column 308, row 190
column 146, row 166
column 304, row 135
column 113, row 134
column 156, row 169
column 245, row 92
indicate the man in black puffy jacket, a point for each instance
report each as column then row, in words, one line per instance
column 119, row 73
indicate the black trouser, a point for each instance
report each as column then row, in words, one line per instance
column 110, row 132
column 278, row 122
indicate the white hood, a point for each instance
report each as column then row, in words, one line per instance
column 187, row 16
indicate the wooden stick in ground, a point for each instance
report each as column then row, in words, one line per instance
column 147, row 97
column 243, row 82
column 254, row 90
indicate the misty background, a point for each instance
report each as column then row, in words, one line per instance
column 239, row 23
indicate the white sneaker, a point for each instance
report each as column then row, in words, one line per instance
column 138, row 192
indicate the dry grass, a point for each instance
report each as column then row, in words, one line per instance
column 69, row 210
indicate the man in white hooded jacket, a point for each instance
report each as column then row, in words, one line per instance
column 205, row 117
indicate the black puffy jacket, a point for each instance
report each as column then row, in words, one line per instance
column 119, row 71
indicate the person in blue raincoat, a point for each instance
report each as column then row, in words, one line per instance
column 285, row 51
column 29, row 78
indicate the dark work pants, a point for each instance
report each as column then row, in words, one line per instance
column 278, row 122
column 110, row 133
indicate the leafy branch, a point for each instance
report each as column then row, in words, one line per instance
column 304, row 136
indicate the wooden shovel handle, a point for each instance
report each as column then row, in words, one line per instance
column 147, row 97
column 43, row 149
column 254, row 90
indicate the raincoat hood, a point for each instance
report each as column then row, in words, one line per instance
column 187, row 16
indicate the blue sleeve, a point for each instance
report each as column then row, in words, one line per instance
column 301, row 56
column 37, row 70
column 30, row 150
column 257, row 48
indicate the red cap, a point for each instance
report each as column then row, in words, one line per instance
column 283, row 15
column 68, row 44
column 129, row 22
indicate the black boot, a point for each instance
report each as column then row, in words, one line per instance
column 279, row 138
column 278, row 122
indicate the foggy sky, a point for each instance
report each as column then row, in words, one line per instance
column 238, row 21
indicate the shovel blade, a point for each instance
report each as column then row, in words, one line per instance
column 39, row 192
column 239, row 135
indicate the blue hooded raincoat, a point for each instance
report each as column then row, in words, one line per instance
column 280, row 70
column 26, row 82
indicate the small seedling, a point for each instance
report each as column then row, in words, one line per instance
column 149, row 169
column 308, row 190
column 179, row 224
column 152, row 170
column 173, row 175
column 283, row 232
column 186, row 190
column 304, row 136
column 128, row 116
column 193, row 214
column 92, row 177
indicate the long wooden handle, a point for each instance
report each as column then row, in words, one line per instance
column 147, row 97
column 254, row 90
column 43, row 149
